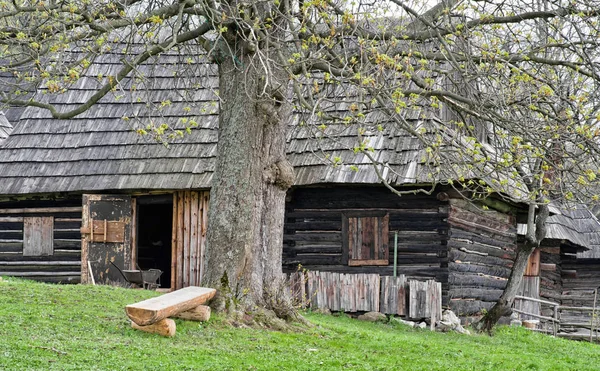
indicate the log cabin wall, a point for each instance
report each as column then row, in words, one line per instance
column 314, row 232
column 580, row 276
column 550, row 277
column 41, row 240
column 481, row 250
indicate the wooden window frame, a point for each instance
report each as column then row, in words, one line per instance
column 346, row 248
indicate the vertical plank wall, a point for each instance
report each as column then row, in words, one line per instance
column 190, row 217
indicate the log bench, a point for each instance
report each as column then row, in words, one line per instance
column 152, row 315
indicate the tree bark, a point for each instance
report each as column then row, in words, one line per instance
column 252, row 175
column 536, row 232
column 504, row 303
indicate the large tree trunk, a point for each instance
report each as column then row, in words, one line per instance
column 245, row 226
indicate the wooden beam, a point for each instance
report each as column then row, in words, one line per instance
column 153, row 310
column 361, row 262
column 9, row 219
column 40, row 210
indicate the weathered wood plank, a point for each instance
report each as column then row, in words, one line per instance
column 393, row 295
column 38, row 236
column 153, row 310
column 42, row 210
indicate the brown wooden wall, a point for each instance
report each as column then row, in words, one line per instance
column 481, row 250
column 579, row 277
column 550, row 277
column 62, row 263
column 313, row 235
column 190, row 217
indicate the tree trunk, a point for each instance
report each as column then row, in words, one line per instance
column 536, row 232
column 247, row 203
column 504, row 303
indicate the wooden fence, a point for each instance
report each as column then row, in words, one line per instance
column 368, row 293
column 563, row 319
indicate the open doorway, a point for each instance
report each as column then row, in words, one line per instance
column 154, row 231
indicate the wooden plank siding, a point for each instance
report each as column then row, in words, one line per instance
column 314, row 230
column 482, row 247
column 53, row 253
column 190, row 216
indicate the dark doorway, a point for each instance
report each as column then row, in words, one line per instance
column 154, row 229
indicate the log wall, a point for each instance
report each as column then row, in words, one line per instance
column 580, row 277
column 59, row 261
column 313, row 231
column 481, row 250
column 550, row 278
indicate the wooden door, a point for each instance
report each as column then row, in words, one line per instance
column 190, row 217
column 106, row 237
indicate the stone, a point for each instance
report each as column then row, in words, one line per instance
column 422, row 325
column 372, row 317
column 403, row 322
column 516, row 323
column 450, row 322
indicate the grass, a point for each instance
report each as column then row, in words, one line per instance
column 75, row 327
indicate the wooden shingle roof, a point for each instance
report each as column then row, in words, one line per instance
column 5, row 127
column 577, row 225
column 100, row 150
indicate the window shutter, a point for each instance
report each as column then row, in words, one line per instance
column 366, row 239
column 38, row 236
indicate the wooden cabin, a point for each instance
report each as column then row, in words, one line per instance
column 564, row 270
column 78, row 195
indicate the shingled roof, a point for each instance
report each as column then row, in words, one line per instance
column 100, row 149
column 577, row 225
column 5, row 127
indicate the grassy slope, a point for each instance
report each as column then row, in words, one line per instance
column 85, row 328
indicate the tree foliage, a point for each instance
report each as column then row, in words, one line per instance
column 506, row 91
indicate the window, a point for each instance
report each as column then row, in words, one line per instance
column 38, row 236
column 365, row 239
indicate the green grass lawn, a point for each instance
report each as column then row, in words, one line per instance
column 53, row 327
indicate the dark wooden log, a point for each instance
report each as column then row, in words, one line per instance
column 479, row 268
column 462, row 279
column 488, row 295
column 468, row 307
column 502, row 242
column 455, row 255
column 41, row 210
column 313, row 259
column 499, row 252
column 315, row 236
column 313, row 249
